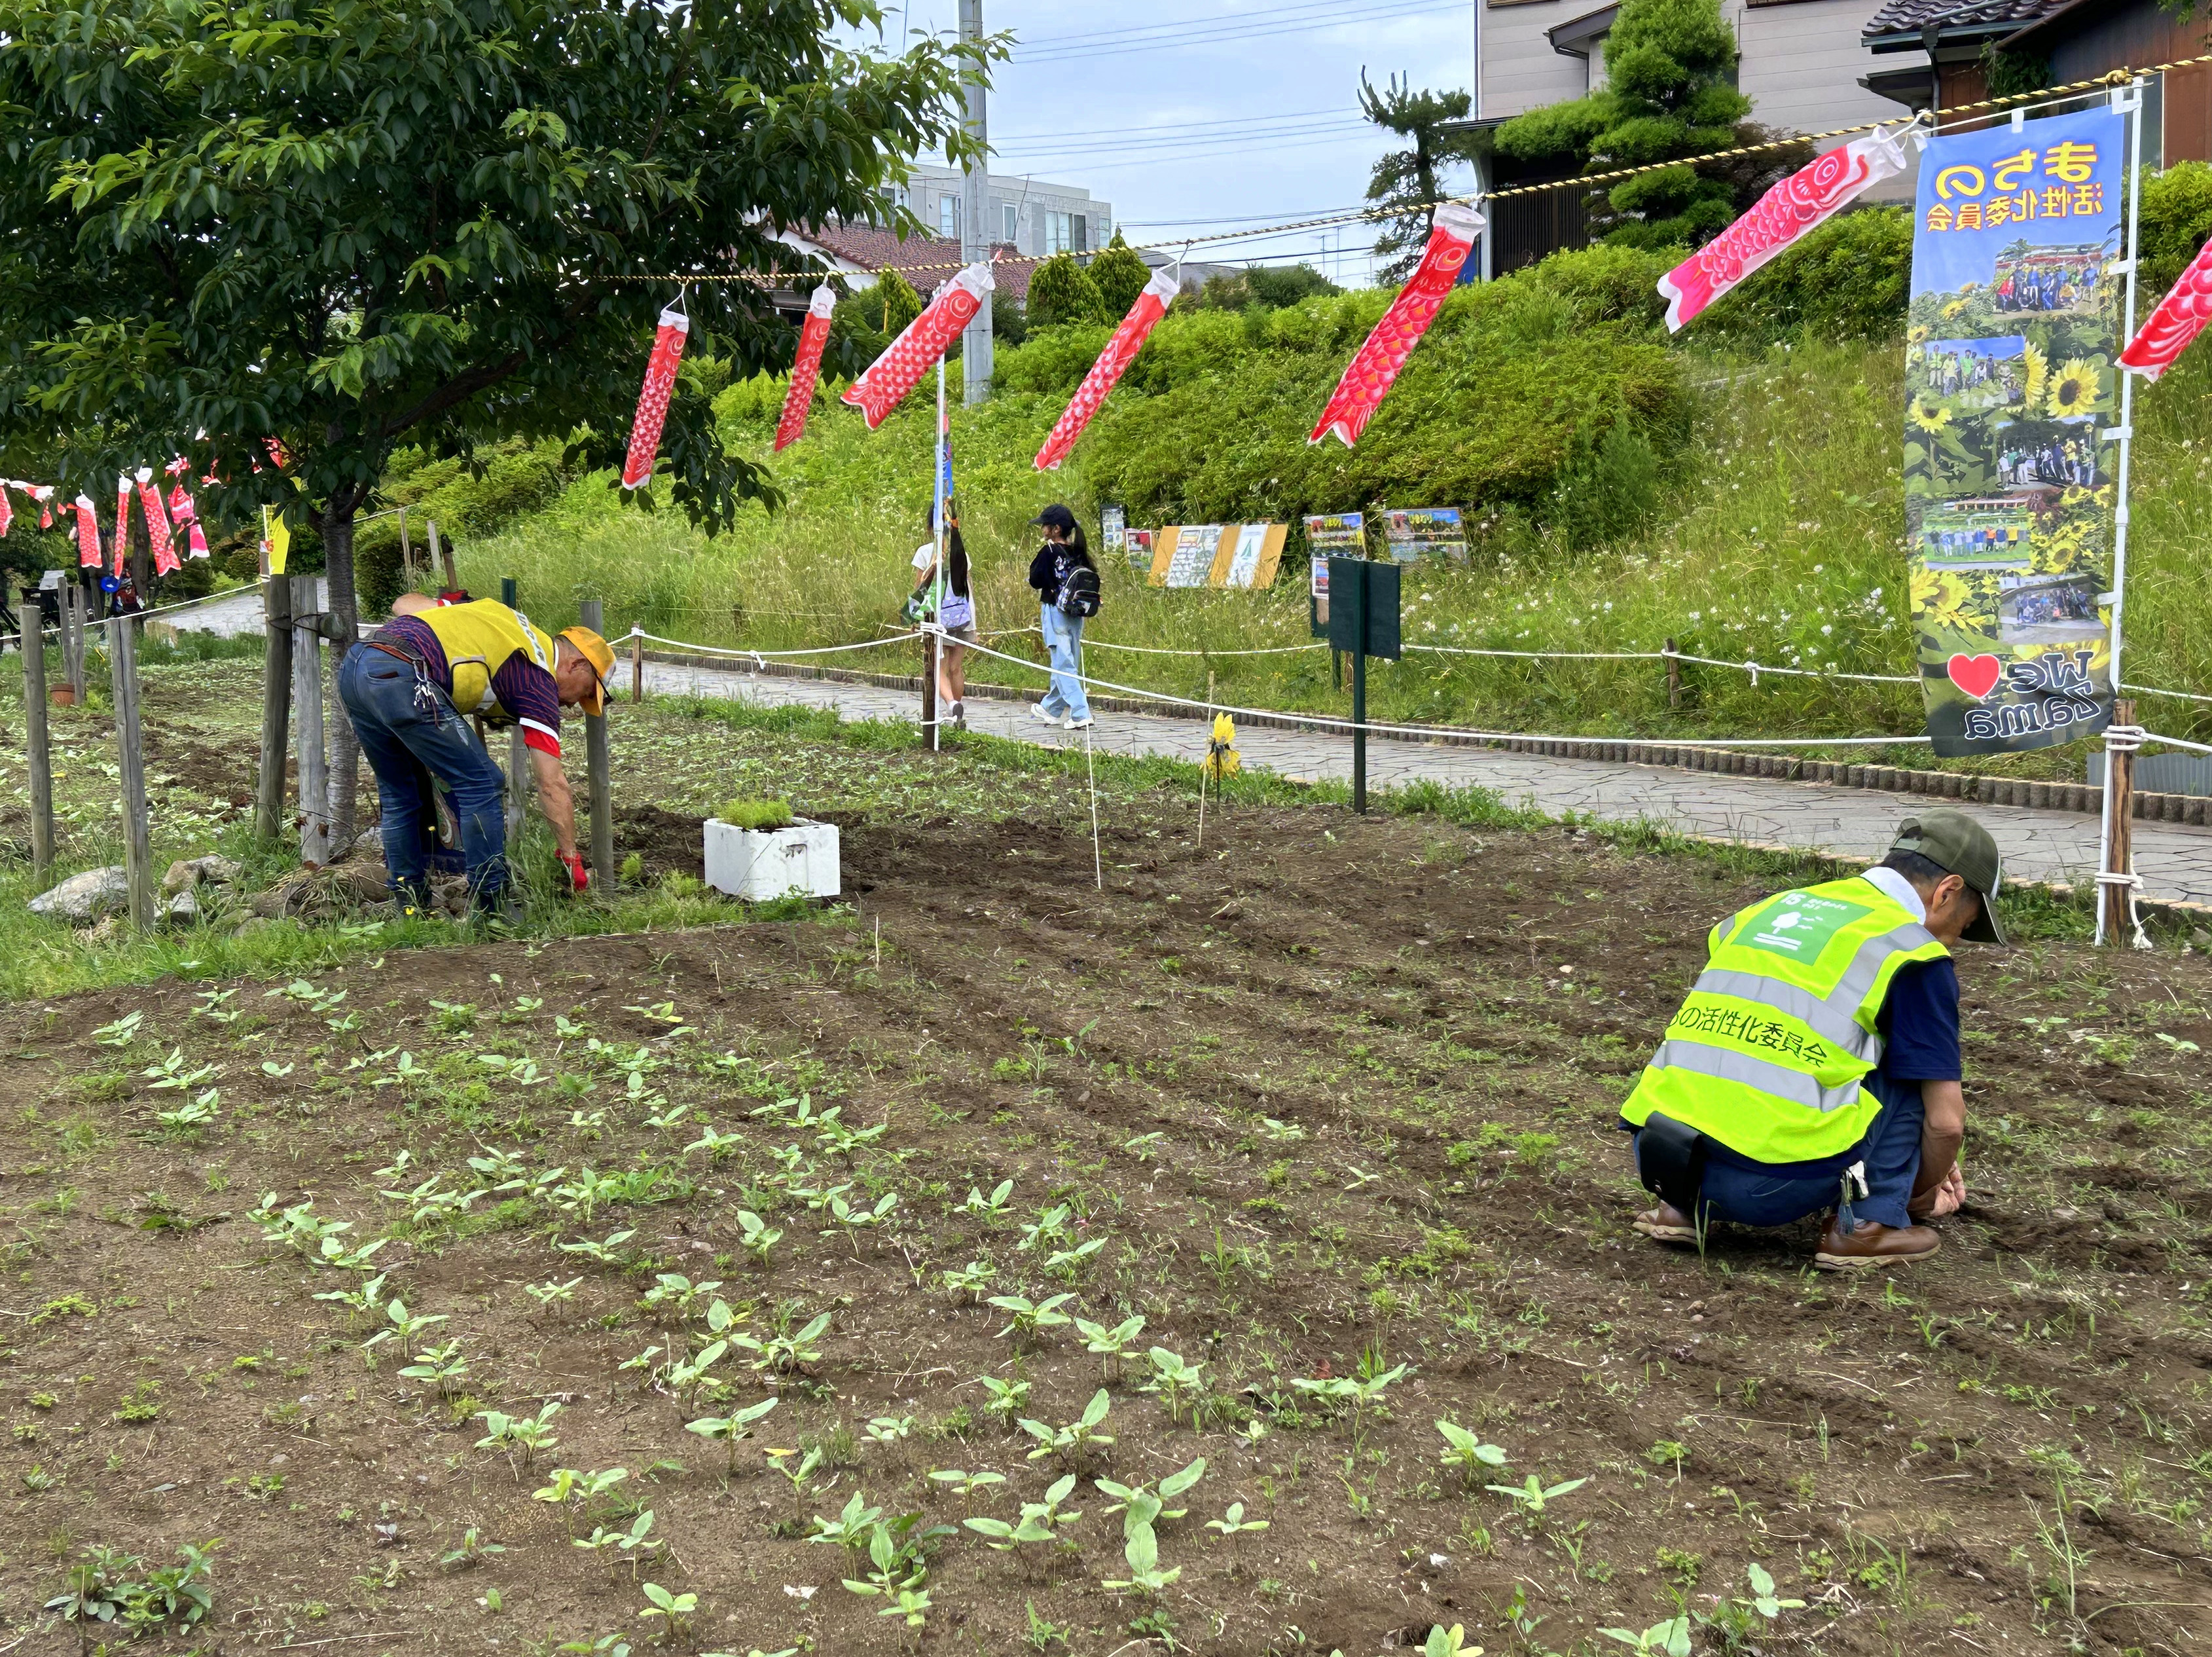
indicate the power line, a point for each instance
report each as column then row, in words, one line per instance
column 1214, row 144
column 1229, row 19
column 1186, row 126
column 1393, row 10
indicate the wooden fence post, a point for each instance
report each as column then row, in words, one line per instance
column 130, row 747
column 307, row 710
column 275, row 705
column 929, row 725
column 34, row 642
column 599, row 767
column 518, row 750
column 406, row 553
column 1673, row 678
column 73, row 618
column 636, row 667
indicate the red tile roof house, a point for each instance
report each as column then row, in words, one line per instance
column 861, row 250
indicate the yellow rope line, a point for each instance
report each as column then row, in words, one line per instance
column 2110, row 79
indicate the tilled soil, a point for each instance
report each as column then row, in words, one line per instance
column 1326, row 1087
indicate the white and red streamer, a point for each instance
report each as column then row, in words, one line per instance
column 1807, row 198
column 2180, row 317
column 806, row 368
column 902, row 364
column 1112, row 362
column 1371, row 373
column 165, row 560
column 87, row 534
column 652, row 400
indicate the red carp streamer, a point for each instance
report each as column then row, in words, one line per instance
column 1369, row 377
column 652, row 400
column 902, row 364
column 1120, row 351
column 806, row 368
column 2180, row 317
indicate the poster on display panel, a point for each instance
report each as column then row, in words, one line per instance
column 2010, row 389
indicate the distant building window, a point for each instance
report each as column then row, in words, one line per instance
column 948, row 216
column 1059, row 233
column 1082, row 243
column 1105, row 228
column 1013, row 221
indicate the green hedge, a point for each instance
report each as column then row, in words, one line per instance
column 465, row 499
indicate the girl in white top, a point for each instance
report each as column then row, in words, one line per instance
column 958, row 617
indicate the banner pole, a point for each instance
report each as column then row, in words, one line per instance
column 2114, row 850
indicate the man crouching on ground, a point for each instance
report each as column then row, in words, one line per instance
column 408, row 691
column 1815, row 1064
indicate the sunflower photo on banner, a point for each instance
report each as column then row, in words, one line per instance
column 2010, row 383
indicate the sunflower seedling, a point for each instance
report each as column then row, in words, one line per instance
column 1531, row 1498
column 1050, row 1228
column 1466, row 1452
column 1141, row 1549
column 1007, row 1398
column 992, row 1207
column 1067, row 1264
column 548, row 1294
column 731, row 1429
column 1112, row 1344
column 1174, row 1380
column 1028, row 1317
column 1233, row 1524
column 966, row 1483
column 529, row 1433
column 442, row 1367
column 675, row 1610
column 970, row 1280
column 760, row 1236
column 124, row 1030
column 1041, row 1521
column 1077, row 1438
column 1668, row 1639
column 1142, row 1504
column 889, row 1429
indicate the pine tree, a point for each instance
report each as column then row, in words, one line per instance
column 1407, row 184
column 1120, row 275
column 1061, row 290
column 1669, row 92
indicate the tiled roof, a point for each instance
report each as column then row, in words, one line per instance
column 925, row 261
column 1910, row 17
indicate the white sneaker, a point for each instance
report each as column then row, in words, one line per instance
column 1074, row 724
column 1037, row 713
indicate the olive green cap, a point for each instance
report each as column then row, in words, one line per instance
column 1956, row 843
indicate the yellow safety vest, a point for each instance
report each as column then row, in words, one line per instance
column 478, row 638
column 1768, row 1053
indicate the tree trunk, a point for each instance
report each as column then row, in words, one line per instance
column 345, row 627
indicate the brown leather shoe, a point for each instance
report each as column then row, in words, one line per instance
column 1666, row 1223
column 1874, row 1245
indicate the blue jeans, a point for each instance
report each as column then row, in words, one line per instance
column 408, row 743
column 1063, row 642
column 1779, row 1194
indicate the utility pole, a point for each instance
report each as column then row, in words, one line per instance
column 974, row 212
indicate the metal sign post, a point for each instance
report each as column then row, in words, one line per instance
column 1363, row 619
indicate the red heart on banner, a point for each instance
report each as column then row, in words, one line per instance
column 1975, row 674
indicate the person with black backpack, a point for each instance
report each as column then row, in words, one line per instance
column 1067, row 584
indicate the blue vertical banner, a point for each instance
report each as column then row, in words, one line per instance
column 2010, row 385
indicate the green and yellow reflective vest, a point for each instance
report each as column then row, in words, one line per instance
column 1768, row 1053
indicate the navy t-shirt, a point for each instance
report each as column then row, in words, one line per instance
column 1919, row 1027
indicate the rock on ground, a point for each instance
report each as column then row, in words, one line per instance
column 83, row 899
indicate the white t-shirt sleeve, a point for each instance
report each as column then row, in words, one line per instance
column 925, row 555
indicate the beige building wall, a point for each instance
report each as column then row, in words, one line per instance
column 1520, row 70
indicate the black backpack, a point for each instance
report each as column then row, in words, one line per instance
column 1078, row 592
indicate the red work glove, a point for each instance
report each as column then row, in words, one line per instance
column 579, row 877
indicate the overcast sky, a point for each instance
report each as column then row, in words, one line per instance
column 1209, row 115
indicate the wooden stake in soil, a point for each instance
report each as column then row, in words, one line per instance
column 275, row 705
column 131, row 751
column 1208, row 754
column 33, row 642
column 307, row 708
column 929, row 691
column 75, row 605
column 599, row 767
column 636, row 666
column 2116, row 908
column 406, row 553
column 445, row 553
column 1673, row 678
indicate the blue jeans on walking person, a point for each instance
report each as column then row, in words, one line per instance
column 1779, row 1194
column 1063, row 643
column 409, row 742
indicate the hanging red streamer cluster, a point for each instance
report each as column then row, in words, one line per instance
column 1112, row 362
column 186, row 511
column 902, row 364
column 652, row 400
column 2180, row 317
column 7, row 511
column 165, row 560
column 806, row 368
column 1368, row 378
column 1808, row 197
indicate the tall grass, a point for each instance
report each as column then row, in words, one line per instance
column 1783, row 545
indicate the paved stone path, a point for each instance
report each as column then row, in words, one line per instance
column 2174, row 860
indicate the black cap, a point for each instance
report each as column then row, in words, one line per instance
column 1056, row 517
column 1956, row 844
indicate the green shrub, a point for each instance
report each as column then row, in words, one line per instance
column 756, row 814
column 2177, row 217
column 1053, row 360
column 755, row 401
column 1061, row 290
column 1515, row 385
column 463, row 498
column 1120, row 275
column 1849, row 279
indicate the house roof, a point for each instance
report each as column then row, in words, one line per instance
column 1579, row 36
column 1912, row 17
column 924, row 261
